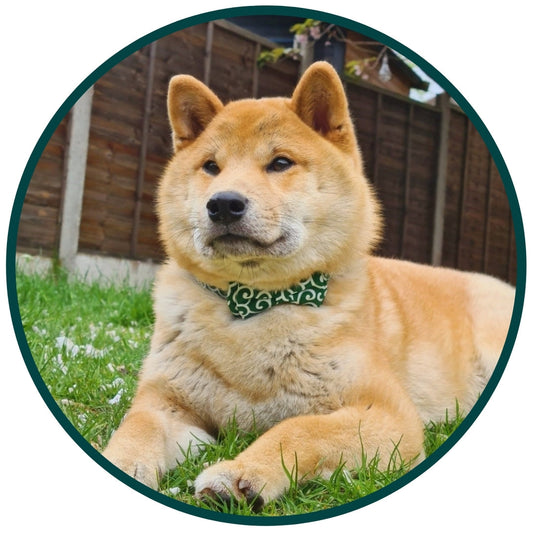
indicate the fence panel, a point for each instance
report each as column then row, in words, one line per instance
column 38, row 231
column 479, row 233
column 113, row 158
column 399, row 142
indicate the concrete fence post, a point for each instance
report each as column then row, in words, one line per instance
column 76, row 165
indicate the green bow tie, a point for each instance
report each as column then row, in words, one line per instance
column 244, row 301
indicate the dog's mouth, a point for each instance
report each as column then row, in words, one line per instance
column 247, row 242
column 235, row 244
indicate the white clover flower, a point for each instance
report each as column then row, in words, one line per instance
column 93, row 352
column 39, row 331
column 60, row 364
column 117, row 382
column 70, row 347
column 116, row 398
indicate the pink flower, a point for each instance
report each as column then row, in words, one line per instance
column 314, row 31
column 301, row 38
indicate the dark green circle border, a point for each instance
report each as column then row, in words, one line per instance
column 280, row 11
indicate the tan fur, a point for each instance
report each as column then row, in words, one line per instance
column 395, row 344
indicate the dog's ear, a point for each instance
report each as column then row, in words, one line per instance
column 320, row 101
column 191, row 106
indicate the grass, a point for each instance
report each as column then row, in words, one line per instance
column 88, row 342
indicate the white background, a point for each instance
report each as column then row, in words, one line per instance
column 48, row 48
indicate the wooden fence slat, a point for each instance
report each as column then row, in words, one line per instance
column 208, row 51
column 488, row 205
column 511, row 251
column 462, row 197
column 407, row 181
column 377, row 143
column 144, row 148
column 440, row 188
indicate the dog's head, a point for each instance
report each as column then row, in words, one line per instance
column 265, row 192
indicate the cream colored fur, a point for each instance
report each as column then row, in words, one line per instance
column 395, row 344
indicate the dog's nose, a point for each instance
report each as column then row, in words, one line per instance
column 226, row 206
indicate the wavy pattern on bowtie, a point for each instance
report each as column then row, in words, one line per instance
column 244, row 301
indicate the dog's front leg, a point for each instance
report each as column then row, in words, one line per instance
column 306, row 446
column 155, row 435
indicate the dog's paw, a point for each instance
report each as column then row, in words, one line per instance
column 147, row 475
column 228, row 480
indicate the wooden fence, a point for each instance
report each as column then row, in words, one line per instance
column 443, row 199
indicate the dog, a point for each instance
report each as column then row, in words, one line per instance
column 272, row 311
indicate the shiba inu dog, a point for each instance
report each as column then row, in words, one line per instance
column 272, row 310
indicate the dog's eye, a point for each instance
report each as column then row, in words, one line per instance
column 279, row 164
column 211, row 168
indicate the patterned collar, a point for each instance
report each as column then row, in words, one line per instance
column 244, row 301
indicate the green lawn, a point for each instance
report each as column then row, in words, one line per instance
column 88, row 342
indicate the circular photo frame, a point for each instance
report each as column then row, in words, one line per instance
column 84, row 206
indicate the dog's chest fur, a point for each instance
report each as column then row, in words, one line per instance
column 259, row 370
